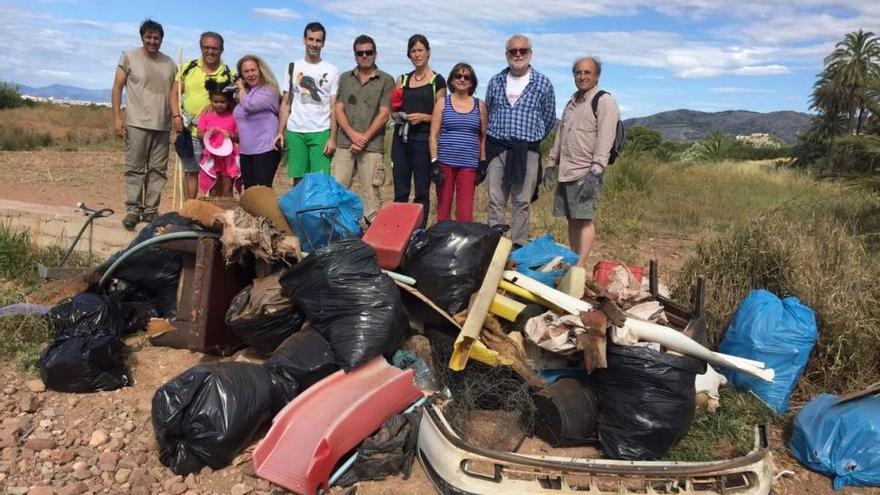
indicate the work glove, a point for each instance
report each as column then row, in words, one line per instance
column 437, row 175
column 550, row 174
column 481, row 171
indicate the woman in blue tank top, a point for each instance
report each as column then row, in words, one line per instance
column 458, row 144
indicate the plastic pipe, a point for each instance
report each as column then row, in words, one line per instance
column 189, row 234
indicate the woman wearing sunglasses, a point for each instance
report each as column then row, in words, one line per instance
column 458, row 144
column 413, row 102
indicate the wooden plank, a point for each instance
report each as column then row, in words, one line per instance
column 479, row 306
column 858, row 394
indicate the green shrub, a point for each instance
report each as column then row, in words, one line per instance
column 18, row 139
column 10, row 97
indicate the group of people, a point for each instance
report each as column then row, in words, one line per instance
column 334, row 122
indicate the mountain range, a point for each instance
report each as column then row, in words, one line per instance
column 674, row 125
column 65, row 92
column 690, row 125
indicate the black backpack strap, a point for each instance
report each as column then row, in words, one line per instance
column 290, row 77
column 595, row 103
column 192, row 65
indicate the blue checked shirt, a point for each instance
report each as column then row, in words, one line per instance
column 534, row 114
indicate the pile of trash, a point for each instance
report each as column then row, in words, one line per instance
column 371, row 345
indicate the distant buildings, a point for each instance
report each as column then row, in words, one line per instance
column 62, row 101
column 760, row 140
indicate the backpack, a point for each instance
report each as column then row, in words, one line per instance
column 226, row 74
column 405, row 77
column 619, row 136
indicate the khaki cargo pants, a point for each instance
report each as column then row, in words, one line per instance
column 146, row 161
column 370, row 168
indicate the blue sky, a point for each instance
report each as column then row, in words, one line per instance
column 658, row 55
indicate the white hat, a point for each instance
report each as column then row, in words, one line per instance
column 217, row 144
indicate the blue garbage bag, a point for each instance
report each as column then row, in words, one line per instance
column 781, row 333
column 319, row 210
column 841, row 440
column 538, row 253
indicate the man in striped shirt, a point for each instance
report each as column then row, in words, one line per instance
column 522, row 111
column 581, row 150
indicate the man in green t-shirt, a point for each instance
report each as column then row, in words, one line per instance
column 147, row 76
column 363, row 105
column 195, row 100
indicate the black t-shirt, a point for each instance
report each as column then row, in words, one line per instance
column 421, row 100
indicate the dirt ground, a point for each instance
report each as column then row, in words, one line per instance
column 103, row 443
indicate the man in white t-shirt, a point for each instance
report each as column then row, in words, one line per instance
column 306, row 122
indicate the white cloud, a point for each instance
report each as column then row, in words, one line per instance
column 736, row 90
column 761, row 70
column 275, row 14
column 60, row 74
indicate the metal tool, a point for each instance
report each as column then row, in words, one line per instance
column 60, row 270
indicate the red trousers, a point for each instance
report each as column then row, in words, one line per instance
column 460, row 182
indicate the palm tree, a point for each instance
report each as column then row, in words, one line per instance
column 852, row 67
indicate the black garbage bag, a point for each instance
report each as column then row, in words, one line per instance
column 136, row 315
column 87, row 353
column 208, row 414
column 301, row 361
column 153, row 270
column 262, row 316
column 349, row 301
column 387, row 452
column 450, row 261
column 646, row 401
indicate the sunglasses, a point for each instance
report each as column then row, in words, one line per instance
column 463, row 76
column 364, row 53
column 513, row 52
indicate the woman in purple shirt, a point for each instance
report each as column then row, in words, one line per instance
column 256, row 116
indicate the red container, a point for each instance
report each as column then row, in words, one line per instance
column 391, row 230
column 602, row 271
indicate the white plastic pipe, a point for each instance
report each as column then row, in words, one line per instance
column 644, row 330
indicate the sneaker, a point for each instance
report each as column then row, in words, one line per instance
column 149, row 217
column 131, row 220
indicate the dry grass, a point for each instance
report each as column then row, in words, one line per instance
column 805, row 249
column 68, row 127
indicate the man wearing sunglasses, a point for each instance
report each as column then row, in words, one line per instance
column 195, row 99
column 363, row 105
column 582, row 149
column 522, row 111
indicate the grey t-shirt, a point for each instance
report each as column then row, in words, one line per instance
column 147, row 88
column 362, row 102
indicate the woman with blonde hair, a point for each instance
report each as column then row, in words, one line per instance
column 256, row 116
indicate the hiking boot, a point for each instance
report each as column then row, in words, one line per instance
column 131, row 220
column 149, row 217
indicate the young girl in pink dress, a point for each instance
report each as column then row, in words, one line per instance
column 219, row 172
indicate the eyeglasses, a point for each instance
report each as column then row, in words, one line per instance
column 211, row 48
column 364, row 53
column 513, row 52
column 463, row 76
